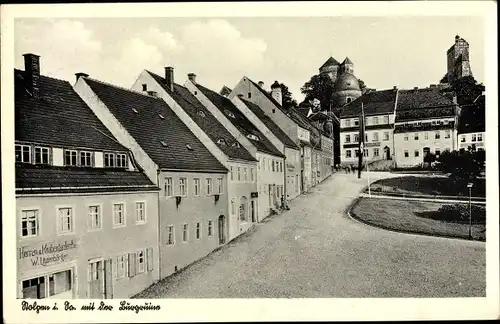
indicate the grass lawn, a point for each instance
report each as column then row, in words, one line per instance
column 403, row 216
column 440, row 186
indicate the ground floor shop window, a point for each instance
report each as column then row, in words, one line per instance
column 54, row 285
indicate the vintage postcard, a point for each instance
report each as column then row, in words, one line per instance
column 183, row 162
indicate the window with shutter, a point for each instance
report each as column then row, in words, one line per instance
column 149, row 253
column 131, row 265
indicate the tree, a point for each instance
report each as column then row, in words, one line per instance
column 320, row 87
column 362, row 84
column 287, row 100
column 467, row 89
column 462, row 166
column 430, row 158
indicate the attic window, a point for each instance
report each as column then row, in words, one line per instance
column 161, row 116
column 201, row 113
column 274, row 110
column 236, row 144
column 135, row 110
column 189, row 147
column 195, row 93
column 249, row 95
column 230, row 114
column 221, row 141
column 163, row 143
column 254, row 137
column 144, row 87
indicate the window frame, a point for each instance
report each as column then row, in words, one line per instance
column 138, row 258
column 144, row 220
column 59, row 220
column 76, row 157
column 125, row 266
column 210, row 228
column 38, row 222
column 90, row 219
column 49, row 155
column 198, row 230
column 125, row 159
column 196, row 187
column 183, row 189
column 208, row 186
column 111, row 154
column 185, row 233
column 169, row 181
column 124, row 214
column 170, row 231
column 91, row 157
column 30, row 152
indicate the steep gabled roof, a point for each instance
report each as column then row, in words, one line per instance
column 240, row 121
column 330, row 61
column 58, row 117
column 347, row 61
column 157, row 129
column 423, row 103
column 294, row 115
column 270, row 124
column 205, row 120
column 375, row 102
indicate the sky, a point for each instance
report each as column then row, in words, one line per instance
column 386, row 51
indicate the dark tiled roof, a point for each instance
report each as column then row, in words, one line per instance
column 293, row 114
column 149, row 129
column 375, row 102
column 270, row 124
column 423, row 103
column 330, row 61
column 70, row 179
column 205, row 120
column 59, row 117
column 347, row 61
column 240, row 121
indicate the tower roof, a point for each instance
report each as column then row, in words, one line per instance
column 347, row 61
column 329, row 62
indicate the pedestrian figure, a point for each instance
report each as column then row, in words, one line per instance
column 282, row 202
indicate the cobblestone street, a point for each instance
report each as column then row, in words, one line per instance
column 315, row 250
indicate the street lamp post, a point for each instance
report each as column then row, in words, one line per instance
column 470, row 185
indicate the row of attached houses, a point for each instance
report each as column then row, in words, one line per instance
column 401, row 127
column 118, row 188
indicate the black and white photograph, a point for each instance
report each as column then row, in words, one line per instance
column 157, row 158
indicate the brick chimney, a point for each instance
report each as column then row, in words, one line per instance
column 276, row 92
column 169, row 77
column 81, row 74
column 152, row 94
column 32, row 73
column 395, row 87
column 192, row 77
column 240, row 96
column 261, row 84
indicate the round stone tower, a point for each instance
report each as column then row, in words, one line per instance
column 345, row 89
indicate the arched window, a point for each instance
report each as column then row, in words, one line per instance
column 243, row 209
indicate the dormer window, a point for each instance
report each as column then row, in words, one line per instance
column 202, row 114
column 135, row 110
column 163, row 143
column 189, row 147
column 121, row 160
column 70, row 158
column 161, row 116
column 221, row 141
column 23, row 153
column 42, row 155
column 230, row 114
column 236, row 144
column 85, row 159
column 253, row 137
column 109, row 160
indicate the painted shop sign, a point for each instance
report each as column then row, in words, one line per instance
column 46, row 254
